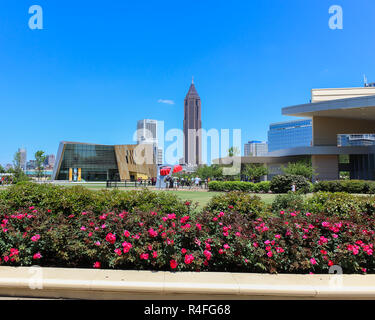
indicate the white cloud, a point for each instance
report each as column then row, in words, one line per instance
column 166, row 101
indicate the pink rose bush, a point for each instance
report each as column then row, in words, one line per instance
column 206, row 241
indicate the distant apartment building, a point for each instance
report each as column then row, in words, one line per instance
column 255, row 148
column 31, row 165
column 50, row 161
column 290, row 134
column 147, row 133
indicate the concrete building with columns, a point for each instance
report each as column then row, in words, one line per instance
column 334, row 112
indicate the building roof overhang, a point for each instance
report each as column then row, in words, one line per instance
column 298, row 152
column 361, row 108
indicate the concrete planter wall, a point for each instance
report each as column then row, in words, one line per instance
column 117, row 284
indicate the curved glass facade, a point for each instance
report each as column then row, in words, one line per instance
column 97, row 162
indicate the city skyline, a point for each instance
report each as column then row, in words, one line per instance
column 90, row 74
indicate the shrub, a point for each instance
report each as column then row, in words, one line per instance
column 234, row 233
column 354, row 186
column 255, row 171
column 301, row 168
column 243, row 203
column 263, row 186
column 350, row 186
column 288, row 202
column 327, row 186
column 76, row 199
column 283, row 184
column 341, row 204
column 227, row 241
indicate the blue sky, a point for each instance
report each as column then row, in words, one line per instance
column 98, row 67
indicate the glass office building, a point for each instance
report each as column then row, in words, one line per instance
column 345, row 140
column 291, row 134
column 96, row 162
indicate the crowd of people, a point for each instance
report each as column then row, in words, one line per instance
column 6, row 180
column 174, row 182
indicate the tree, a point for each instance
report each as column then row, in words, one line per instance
column 2, row 170
column 255, row 171
column 19, row 175
column 17, row 161
column 233, row 151
column 213, row 172
column 300, row 168
column 39, row 161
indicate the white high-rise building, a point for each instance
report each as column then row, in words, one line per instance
column 23, row 158
column 256, row 149
column 147, row 132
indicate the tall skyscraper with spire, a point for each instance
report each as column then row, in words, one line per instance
column 192, row 127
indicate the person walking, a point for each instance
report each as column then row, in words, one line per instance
column 166, row 180
column 293, row 187
column 197, row 181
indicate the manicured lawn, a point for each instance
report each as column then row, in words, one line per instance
column 203, row 197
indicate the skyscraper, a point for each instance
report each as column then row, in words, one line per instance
column 147, row 132
column 256, row 148
column 192, row 126
column 23, row 158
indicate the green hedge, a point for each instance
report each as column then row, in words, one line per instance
column 349, row 186
column 227, row 241
column 283, row 184
column 244, row 186
column 340, row 204
column 235, row 201
column 73, row 200
column 288, row 202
